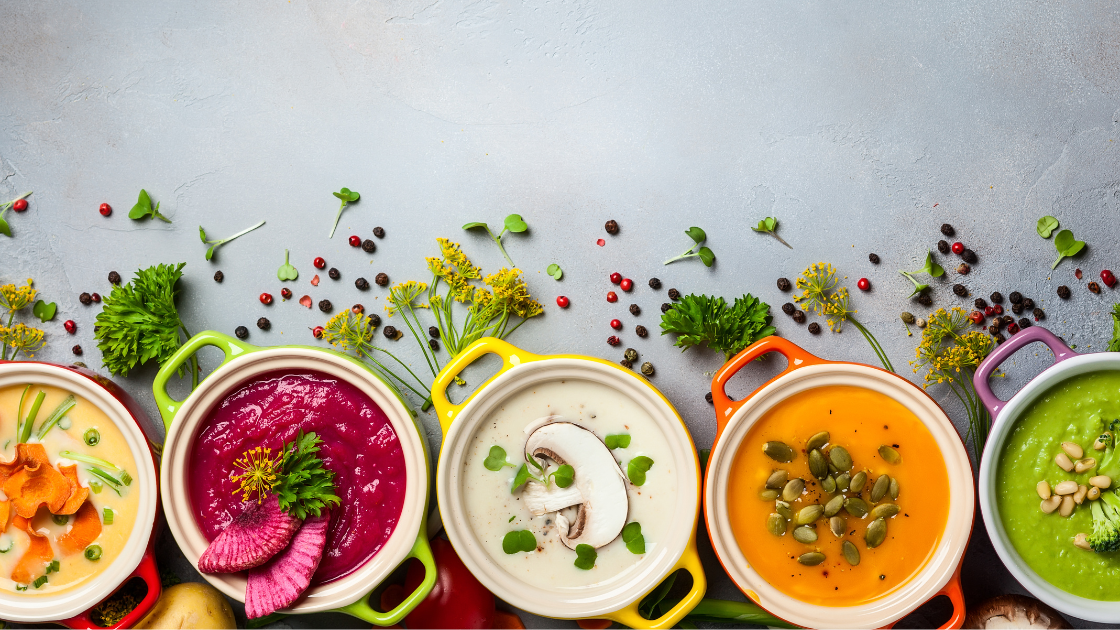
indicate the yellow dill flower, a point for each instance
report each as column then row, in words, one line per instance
column 14, row 298
column 258, row 474
column 453, row 254
column 348, row 331
column 403, row 296
column 838, row 309
column 816, row 284
column 21, row 338
column 512, row 294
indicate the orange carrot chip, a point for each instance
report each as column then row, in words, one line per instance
column 86, row 528
column 37, row 556
column 26, row 454
column 78, row 493
column 34, row 485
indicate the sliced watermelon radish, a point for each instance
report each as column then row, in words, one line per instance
column 280, row 582
column 253, row 537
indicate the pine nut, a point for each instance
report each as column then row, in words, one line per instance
column 1049, row 505
column 1073, row 450
column 1067, row 506
column 1101, row 481
column 1081, row 541
column 1064, row 462
column 1066, row 487
column 1043, row 489
column 1093, row 494
column 1084, row 465
column 1102, row 441
column 1079, row 496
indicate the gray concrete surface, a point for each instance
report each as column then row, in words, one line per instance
column 861, row 126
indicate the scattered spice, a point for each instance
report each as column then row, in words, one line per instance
column 981, row 303
column 925, row 300
column 641, row 331
column 630, row 354
column 105, row 209
column 434, row 345
column 784, row 284
column 319, row 262
column 1038, row 314
column 85, row 299
column 219, row 276
column 114, row 277
column 708, row 397
column 874, row 258
column 266, row 298
column 77, row 350
column 362, row 284
column 317, row 332
column 286, row 293
column 433, row 332
column 943, row 246
column 1063, row 292
column 635, row 309
column 70, row 326
column 1024, row 323
column 357, row 309
column 612, row 297
column 562, row 301
column 969, row 256
column 960, row 290
column 613, row 340
column 1028, row 303
column 325, row 306
column 958, row 248
column 368, row 246
column 241, row 332
column 334, row 274
column 1015, row 297
column 799, row 317
column 263, row 323
column 379, row 232
column 626, row 364
column 355, row 240
column 963, row 269
column 864, row 284
column 382, row 279
column 815, row 328
column 1108, row 278
column 947, row 229
column 665, row 306
column 788, row 308
column 96, row 297
column 907, row 317
column 1017, row 308
column 374, row 320
column 616, row 324
column 390, row 332
column 996, row 298
column 655, row 284
column 674, row 294
column 611, row 227
column 626, row 285
column 1077, row 273
column 647, row 368
column 1094, row 287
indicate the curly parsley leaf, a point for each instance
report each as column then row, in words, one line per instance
column 139, row 322
column 304, row 485
column 708, row 320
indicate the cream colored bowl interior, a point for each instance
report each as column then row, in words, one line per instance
column 38, row 608
column 175, row 475
column 592, row 601
column 939, row 568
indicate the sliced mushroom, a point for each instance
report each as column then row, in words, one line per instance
column 1014, row 611
column 541, row 499
column 598, row 479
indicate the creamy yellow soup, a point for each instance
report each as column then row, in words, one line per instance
column 74, row 568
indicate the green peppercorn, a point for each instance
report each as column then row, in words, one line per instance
column 647, row 368
column 631, row 355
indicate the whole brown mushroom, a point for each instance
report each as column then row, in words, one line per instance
column 1014, row 611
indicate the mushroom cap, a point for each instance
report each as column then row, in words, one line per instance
column 1014, row 611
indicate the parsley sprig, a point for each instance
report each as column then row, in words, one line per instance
column 708, row 320
column 304, row 485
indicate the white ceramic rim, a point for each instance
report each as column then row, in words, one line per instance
column 73, row 601
column 184, row 430
column 1062, row 601
column 942, row 563
column 593, row 601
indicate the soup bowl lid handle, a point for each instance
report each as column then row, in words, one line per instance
column 1002, row 353
column 146, row 571
column 511, row 357
column 230, row 348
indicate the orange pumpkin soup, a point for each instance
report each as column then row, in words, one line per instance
column 861, row 421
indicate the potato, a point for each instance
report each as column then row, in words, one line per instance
column 190, row 605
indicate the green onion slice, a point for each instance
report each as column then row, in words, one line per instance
column 113, row 483
column 107, row 516
column 39, row 581
column 60, row 519
column 93, row 552
column 91, row 437
column 56, row 415
column 25, row 428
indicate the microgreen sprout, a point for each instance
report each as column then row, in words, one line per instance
column 1066, row 246
column 1046, row 226
column 555, row 271
column 520, row 540
column 632, row 536
column 564, row 475
column 637, row 468
column 769, row 225
column 143, row 208
column 620, row 440
column 931, row 268
column 346, row 196
column 287, row 271
column 4, row 229
column 513, row 223
column 215, row 244
column 585, row 557
column 703, row 253
column 44, row 310
column 496, row 460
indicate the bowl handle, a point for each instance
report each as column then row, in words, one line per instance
column 422, row 551
column 725, row 407
column 1004, row 351
column 229, row 346
column 690, row 561
column 511, row 356
column 147, row 571
column 953, row 591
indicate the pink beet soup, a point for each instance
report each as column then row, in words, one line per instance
column 359, row 446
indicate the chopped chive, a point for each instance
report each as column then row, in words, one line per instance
column 126, row 478
column 93, row 552
column 53, row 567
column 19, row 418
column 60, row 519
column 96, row 486
column 39, row 581
column 511, row 518
column 113, row 483
column 6, row 444
column 25, row 428
column 21, row 587
column 66, row 405
column 91, row 437
column 88, row 459
column 7, row 544
column 107, row 517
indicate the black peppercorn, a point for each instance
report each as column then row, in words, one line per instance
column 434, row 345
column 382, row 279
column 362, row 284
column 626, row 364
column 674, row 294
column 999, row 338
column 379, row 232
column 433, row 332
column 611, row 227
column 333, row 274
column 708, row 397
column 799, row 317
column 263, row 323
column 981, row 303
column 996, row 298
column 969, row 256
column 219, row 276
column 76, row 350
column 1007, row 319
column 1028, row 304
column 635, row 309
column 1094, row 287
column 963, row 269
column 815, row 328
column 1017, row 308
column 947, row 229
column 241, row 332
column 925, row 300
column 368, row 246
column 1063, row 292
column 374, row 320
column 647, row 368
column 874, row 258
column 960, row 290
column 994, row 328
column 943, row 247
column 325, row 306
column 630, row 354
column 1024, row 323
column 665, row 306
column 641, row 331
column 655, row 284
column 389, row 332
column 1038, row 314
column 114, row 277
column 79, row 364
column 784, row 284
column 1015, row 297
column 85, row 298
column 788, row 308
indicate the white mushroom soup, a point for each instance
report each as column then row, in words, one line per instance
column 568, row 484
column 69, row 499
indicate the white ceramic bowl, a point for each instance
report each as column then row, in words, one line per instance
column 243, row 364
column 805, row 372
column 76, row 601
column 616, row 599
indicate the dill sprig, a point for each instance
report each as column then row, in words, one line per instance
column 18, row 337
column 821, row 293
column 353, row 333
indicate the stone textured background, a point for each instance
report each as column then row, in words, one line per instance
column 861, row 126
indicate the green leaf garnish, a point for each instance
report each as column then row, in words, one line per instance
column 637, row 468
column 1046, row 226
column 619, row 440
column 931, row 268
column 769, row 225
column 555, row 271
column 703, row 253
column 346, row 196
column 44, row 310
column 632, row 536
column 585, row 557
column 39, row 581
column 107, row 516
column 286, row 271
column 704, row 319
column 512, row 223
column 511, row 518
column 304, row 485
column 1066, row 246
column 215, row 244
column 520, row 540
column 563, row 476
column 497, row 459
column 143, row 208
column 521, row 478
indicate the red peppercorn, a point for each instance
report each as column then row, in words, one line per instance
column 286, row 293
column 317, row 332
column 864, row 284
column 355, row 241
column 96, row 297
column 20, row 205
column 977, row 317
column 611, row 297
column 105, row 210
column 1108, row 278
column 612, row 340
column 998, row 309
column 1012, row 328
column 616, row 324
column 266, row 298
column 357, row 309
column 562, row 301
column 989, row 311
column 70, row 326
column 626, row 284
column 958, row 248
column 616, row 278
column 319, row 263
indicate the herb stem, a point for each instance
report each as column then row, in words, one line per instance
column 241, row 233
column 687, row 254
column 337, row 217
column 498, row 241
column 874, row 344
column 780, row 239
column 25, row 428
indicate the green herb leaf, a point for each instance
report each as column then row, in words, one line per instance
column 1066, row 246
column 215, row 244
column 931, row 267
column 768, row 226
column 771, row 223
column 637, row 468
column 143, row 207
column 706, row 256
column 517, row 541
column 202, row 234
column 705, row 319
column 585, row 557
column 304, row 485
column 521, row 478
column 555, row 271
column 618, row 440
column 139, row 322
column 286, row 271
column 497, row 459
column 1114, row 345
column 346, row 196
column 514, row 223
column 476, row 224
column 632, row 536
column 4, row 229
column 534, row 463
column 563, row 476
column 696, row 234
column 1046, row 226
column 44, row 310
column 511, row 518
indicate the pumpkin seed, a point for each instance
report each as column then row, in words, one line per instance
column 832, row 470
column 889, row 455
column 856, row 506
column 809, row 514
column 778, row 451
column 840, row 458
column 880, row 489
column 811, row 559
column 843, row 482
column 777, row 479
column 818, row 440
column 850, row 553
column 837, row 525
column 794, row 488
column 828, row 484
column 876, row 533
column 768, row 494
column 781, row 507
column 834, row 505
column 776, row 524
column 859, row 480
column 894, row 489
column 885, row 510
column 805, row 535
column 817, row 464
